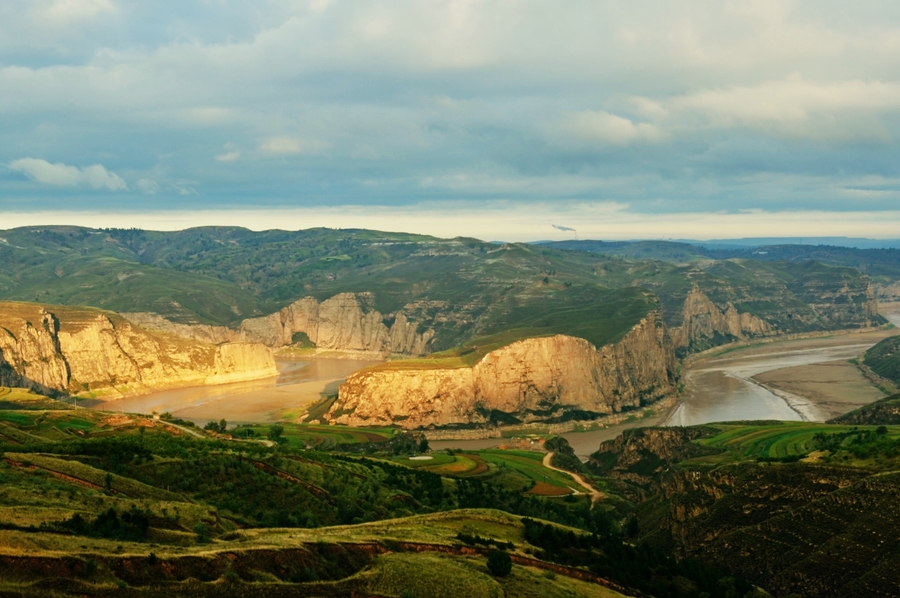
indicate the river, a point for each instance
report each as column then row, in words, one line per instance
column 724, row 388
column 300, row 383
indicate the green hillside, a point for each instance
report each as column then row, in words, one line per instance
column 881, row 264
column 883, row 412
column 101, row 504
column 884, row 359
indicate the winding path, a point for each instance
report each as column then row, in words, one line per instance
column 596, row 495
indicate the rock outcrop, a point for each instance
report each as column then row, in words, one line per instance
column 204, row 333
column 888, row 292
column 703, row 319
column 347, row 322
column 536, row 379
column 66, row 350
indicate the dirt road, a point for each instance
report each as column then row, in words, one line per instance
column 595, row 494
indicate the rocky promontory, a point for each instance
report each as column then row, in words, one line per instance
column 75, row 350
column 347, row 322
column 548, row 378
column 703, row 319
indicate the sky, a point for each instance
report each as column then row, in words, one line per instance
column 501, row 119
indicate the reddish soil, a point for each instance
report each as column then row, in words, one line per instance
column 545, row 489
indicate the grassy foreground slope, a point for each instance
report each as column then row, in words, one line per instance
column 98, row 504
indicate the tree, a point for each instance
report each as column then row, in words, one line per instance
column 423, row 445
column 275, row 433
column 203, row 531
column 499, row 563
column 632, row 528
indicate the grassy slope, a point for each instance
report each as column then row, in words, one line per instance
column 598, row 316
column 884, row 359
column 885, row 411
column 880, row 264
column 46, row 488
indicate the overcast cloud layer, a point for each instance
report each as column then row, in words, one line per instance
column 738, row 117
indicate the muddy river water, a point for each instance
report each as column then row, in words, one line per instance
column 300, row 383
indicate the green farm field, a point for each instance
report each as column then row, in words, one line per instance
column 510, row 468
column 780, row 440
column 320, row 437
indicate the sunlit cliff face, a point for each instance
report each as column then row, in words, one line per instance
column 530, row 380
column 76, row 350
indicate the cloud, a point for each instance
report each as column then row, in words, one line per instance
column 148, row 186
column 790, row 99
column 62, row 175
column 563, row 228
column 67, row 11
column 602, row 126
column 794, row 107
column 281, row 145
column 665, row 106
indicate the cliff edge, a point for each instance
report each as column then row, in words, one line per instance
column 550, row 378
column 75, row 350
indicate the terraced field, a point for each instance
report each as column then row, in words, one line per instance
column 324, row 437
column 21, row 398
column 519, row 467
column 779, row 440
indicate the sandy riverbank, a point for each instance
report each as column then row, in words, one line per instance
column 832, row 388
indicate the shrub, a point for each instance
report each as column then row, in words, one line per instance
column 499, row 563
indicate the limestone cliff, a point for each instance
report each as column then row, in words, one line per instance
column 888, row 292
column 68, row 350
column 214, row 335
column 535, row 379
column 346, row 322
column 703, row 319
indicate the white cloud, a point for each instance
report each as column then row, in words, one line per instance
column 148, row 186
column 790, row 99
column 602, row 126
column 67, row 11
column 281, row 145
column 62, row 175
column 791, row 107
column 228, row 157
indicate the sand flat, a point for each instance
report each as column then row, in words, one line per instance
column 835, row 387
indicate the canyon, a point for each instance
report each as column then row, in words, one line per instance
column 578, row 337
